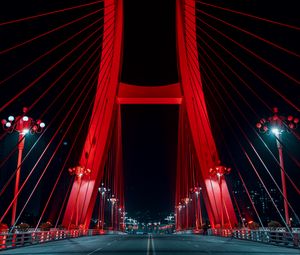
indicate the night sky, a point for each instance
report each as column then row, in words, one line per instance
column 149, row 132
column 149, row 58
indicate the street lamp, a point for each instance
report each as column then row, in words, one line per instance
column 178, row 216
column 79, row 172
column 122, row 218
column 113, row 201
column 197, row 192
column 276, row 125
column 23, row 125
column 186, row 201
column 220, row 171
column 102, row 190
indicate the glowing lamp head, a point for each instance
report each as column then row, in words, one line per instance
column 8, row 124
column 25, row 131
column 276, row 131
column 219, row 174
column 42, row 124
column 11, row 118
column 25, row 118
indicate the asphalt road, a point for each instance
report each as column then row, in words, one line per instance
column 152, row 245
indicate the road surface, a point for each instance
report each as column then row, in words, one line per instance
column 152, row 245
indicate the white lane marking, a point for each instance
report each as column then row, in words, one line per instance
column 99, row 249
column 95, row 251
column 152, row 245
column 148, row 245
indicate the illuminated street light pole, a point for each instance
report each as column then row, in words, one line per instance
column 186, row 201
column 23, row 125
column 113, row 201
column 122, row 218
column 102, row 190
column 79, row 172
column 197, row 192
column 178, row 216
column 276, row 125
column 220, row 171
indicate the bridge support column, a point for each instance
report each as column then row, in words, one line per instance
column 95, row 148
column 194, row 101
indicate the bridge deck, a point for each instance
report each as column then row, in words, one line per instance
column 163, row 244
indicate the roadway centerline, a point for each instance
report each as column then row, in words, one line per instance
column 153, row 248
column 150, row 246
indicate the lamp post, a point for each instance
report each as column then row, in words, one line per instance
column 113, row 201
column 102, row 190
column 122, row 218
column 276, row 125
column 220, row 171
column 178, row 216
column 79, row 172
column 23, row 125
column 197, row 192
column 186, row 201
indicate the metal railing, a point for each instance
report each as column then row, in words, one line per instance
column 14, row 240
column 278, row 237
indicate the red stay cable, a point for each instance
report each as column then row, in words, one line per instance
column 248, row 140
column 46, row 72
column 50, row 105
column 49, row 51
column 244, row 151
column 249, row 15
column 48, row 32
column 236, row 74
column 271, row 153
column 44, row 151
column 251, row 34
column 58, row 146
column 251, row 71
column 250, row 108
column 49, row 13
column 290, row 77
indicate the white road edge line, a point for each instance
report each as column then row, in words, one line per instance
column 99, row 249
column 95, row 251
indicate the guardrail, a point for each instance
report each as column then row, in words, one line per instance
column 14, row 240
column 266, row 236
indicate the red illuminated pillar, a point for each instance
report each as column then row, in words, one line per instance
column 194, row 99
column 100, row 128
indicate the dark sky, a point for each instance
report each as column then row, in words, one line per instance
column 150, row 132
